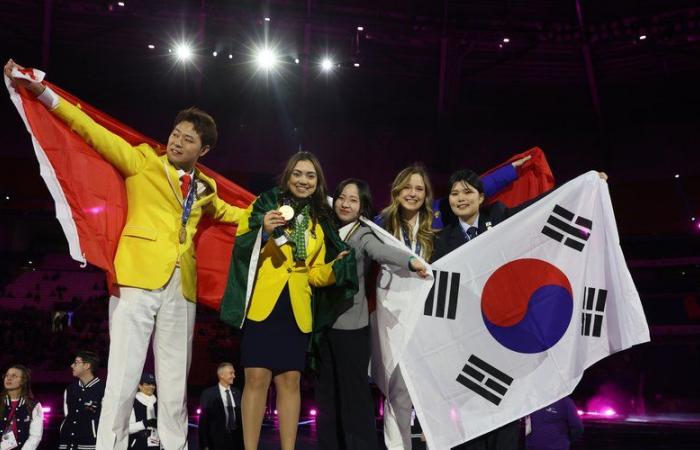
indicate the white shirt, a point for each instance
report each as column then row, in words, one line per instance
column 465, row 226
column 414, row 234
column 224, row 398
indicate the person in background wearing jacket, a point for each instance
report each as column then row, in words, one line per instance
column 143, row 424
column 220, row 425
column 21, row 417
column 82, row 401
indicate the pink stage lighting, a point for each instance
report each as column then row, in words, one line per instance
column 199, row 411
column 95, row 210
column 312, row 413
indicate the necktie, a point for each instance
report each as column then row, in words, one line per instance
column 230, row 413
column 471, row 233
column 185, row 182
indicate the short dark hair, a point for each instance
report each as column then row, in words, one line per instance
column 203, row 124
column 468, row 176
column 89, row 357
column 366, row 207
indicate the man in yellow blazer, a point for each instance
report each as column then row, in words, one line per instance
column 155, row 265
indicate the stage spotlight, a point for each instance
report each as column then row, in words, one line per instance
column 356, row 64
column 121, row 3
column 360, row 28
column 296, row 60
column 642, row 37
column 313, row 413
column 327, row 64
column 183, row 52
column 266, row 59
column 609, row 412
column 267, row 19
column 151, row 46
column 214, row 54
column 506, row 40
column 677, row 176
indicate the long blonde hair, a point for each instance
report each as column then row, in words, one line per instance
column 393, row 222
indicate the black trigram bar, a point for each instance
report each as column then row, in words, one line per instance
column 484, row 379
column 593, row 311
column 563, row 230
column 447, row 295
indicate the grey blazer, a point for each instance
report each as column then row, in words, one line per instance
column 367, row 247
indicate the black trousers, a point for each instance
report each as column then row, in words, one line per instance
column 504, row 438
column 345, row 420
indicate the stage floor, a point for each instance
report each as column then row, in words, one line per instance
column 634, row 433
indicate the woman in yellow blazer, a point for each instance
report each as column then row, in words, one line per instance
column 279, row 318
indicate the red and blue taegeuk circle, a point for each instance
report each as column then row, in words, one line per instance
column 527, row 305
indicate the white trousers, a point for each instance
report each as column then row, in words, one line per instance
column 397, row 413
column 133, row 315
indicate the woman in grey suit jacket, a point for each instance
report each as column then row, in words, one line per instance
column 346, row 410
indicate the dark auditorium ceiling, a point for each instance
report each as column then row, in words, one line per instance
column 399, row 37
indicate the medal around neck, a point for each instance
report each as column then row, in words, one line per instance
column 287, row 212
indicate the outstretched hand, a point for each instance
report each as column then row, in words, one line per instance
column 341, row 255
column 519, row 162
column 33, row 87
column 418, row 267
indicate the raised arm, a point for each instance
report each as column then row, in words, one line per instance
column 122, row 155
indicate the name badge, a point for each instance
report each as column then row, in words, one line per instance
column 8, row 441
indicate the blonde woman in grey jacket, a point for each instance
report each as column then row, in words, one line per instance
column 346, row 418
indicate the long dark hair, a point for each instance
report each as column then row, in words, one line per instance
column 25, row 392
column 366, row 207
column 318, row 202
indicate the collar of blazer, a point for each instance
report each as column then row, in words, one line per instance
column 174, row 182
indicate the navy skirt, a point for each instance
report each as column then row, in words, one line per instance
column 275, row 343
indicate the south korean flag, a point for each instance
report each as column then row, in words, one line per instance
column 541, row 297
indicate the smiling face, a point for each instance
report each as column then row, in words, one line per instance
column 348, row 204
column 226, row 375
column 412, row 194
column 465, row 201
column 185, row 146
column 303, row 179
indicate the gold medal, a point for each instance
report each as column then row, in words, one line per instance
column 183, row 234
column 287, row 212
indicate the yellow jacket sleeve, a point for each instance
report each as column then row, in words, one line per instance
column 127, row 159
column 321, row 273
column 223, row 212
